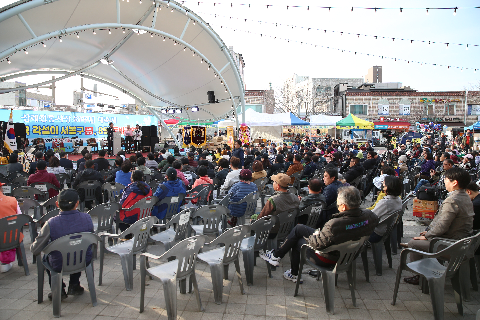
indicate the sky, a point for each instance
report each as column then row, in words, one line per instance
column 278, row 52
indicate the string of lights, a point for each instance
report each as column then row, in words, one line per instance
column 349, row 51
column 341, row 33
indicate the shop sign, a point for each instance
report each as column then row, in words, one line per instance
column 404, row 110
column 473, row 109
column 383, row 109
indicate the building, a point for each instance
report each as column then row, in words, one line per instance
column 260, row 100
column 393, row 103
column 306, row 96
column 374, row 75
column 23, row 97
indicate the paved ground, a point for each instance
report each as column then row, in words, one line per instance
column 268, row 298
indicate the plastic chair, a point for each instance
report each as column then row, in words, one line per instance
column 105, row 214
column 312, row 214
column 39, row 223
column 63, row 179
column 89, row 188
column 390, row 222
column 251, row 205
column 26, row 192
column 200, row 193
column 285, row 223
column 182, row 268
column 219, row 258
column 26, row 204
column 397, row 232
column 261, row 183
column 73, row 248
column 296, row 183
column 173, row 203
column 7, row 187
column 436, row 273
column 145, row 207
column 212, row 216
column 127, row 250
column 154, row 185
column 48, row 205
column 10, row 229
column 113, row 191
column 20, row 181
column 176, row 230
column 44, row 187
column 348, row 251
column 252, row 245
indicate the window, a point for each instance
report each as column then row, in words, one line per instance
column 429, row 110
column 358, row 109
column 320, row 91
column 450, row 109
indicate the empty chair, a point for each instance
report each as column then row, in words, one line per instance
column 253, row 244
column 182, row 268
column 219, row 258
column 173, row 205
column 20, row 181
column 48, row 205
column 143, row 206
column 11, row 237
column 261, row 183
column 436, row 273
column 127, row 250
column 7, row 187
column 200, row 194
column 44, row 187
column 112, row 191
column 154, row 185
column 176, row 230
column 105, row 214
column 89, row 189
column 389, row 221
column 347, row 253
column 251, row 205
column 284, row 224
column 26, row 204
column 310, row 215
column 296, row 183
column 73, row 248
column 27, row 192
column 212, row 217
column 63, row 179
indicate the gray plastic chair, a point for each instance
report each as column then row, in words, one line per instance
column 26, row 192
column 251, row 201
column 105, row 214
column 200, row 193
column 89, row 188
column 20, row 181
column 127, row 250
column 348, row 252
column 173, row 203
column 390, row 222
column 252, row 245
column 26, row 204
column 39, row 223
column 113, row 190
column 176, row 230
column 63, row 179
column 73, row 248
column 219, row 258
column 397, row 232
column 312, row 214
column 145, row 206
column 48, row 205
column 44, row 187
column 10, row 229
column 436, row 273
column 212, row 217
column 154, row 185
column 285, row 223
column 182, row 268
column 7, row 187
column 296, row 182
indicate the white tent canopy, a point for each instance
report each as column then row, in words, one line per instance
column 257, row 119
column 324, row 120
column 158, row 52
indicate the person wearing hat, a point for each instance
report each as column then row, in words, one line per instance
column 69, row 221
column 9, row 207
column 281, row 201
column 172, row 187
column 237, row 192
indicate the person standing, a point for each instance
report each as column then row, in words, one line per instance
column 137, row 138
column 238, row 152
column 110, row 132
column 128, row 139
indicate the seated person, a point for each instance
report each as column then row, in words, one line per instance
column 150, row 163
column 54, row 166
column 337, row 230
column 281, row 201
column 378, row 182
column 239, row 191
column 69, row 221
column 123, row 176
column 33, row 166
column 43, row 176
column 177, row 165
column 186, row 167
column 454, row 219
column 9, row 208
column 223, row 170
column 210, row 167
column 203, row 179
column 295, row 167
column 141, row 166
column 314, row 195
column 435, row 175
column 134, row 192
column 330, row 191
column 472, row 191
column 13, row 166
column 278, row 166
column 169, row 163
column 171, row 187
column 309, row 169
column 87, row 156
column 232, row 176
column 355, row 170
column 101, row 162
column 258, row 171
column 64, row 162
column 113, row 174
column 391, row 202
column 371, row 162
column 89, row 174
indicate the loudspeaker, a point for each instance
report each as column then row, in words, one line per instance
column 211, row 96
column 153, row 141
column 20, row 130
column 153, row 131
column 146, row 131
column 145, row 141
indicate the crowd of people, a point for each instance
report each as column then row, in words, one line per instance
column 330, row 168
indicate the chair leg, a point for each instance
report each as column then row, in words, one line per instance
column 248, row 258
column 102, row 252
column 393, row 240
column 351, row 283
column 397, row 283
column 473, row 274
column 21, row 256
column 217, row 281
column 328, row 279
column 56, row 293
column 143, row 272
column 365, row 264
column 388, row 251
column 225, row 271
column 437, row 288
column 239, row 275
column 170, row 293
column 193, row 280
column 91, row 283
column 126, row 265
column 377, row 257
column 41, row 279
column 465, row 280
column 457, row 289
column 183, row 286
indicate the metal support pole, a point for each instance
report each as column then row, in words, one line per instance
column 466, row 108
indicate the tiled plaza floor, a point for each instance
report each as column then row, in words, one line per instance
column 268, row 298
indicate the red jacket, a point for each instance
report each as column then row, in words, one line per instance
column 44, row 176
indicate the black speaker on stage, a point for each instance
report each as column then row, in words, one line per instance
column 146, row 131
column 211, row 96
column 153, row 131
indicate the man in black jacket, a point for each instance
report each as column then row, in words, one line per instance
column 113, row 173
column 89, row 174
column 101, row 162
column 355, row 171
column 64, row 162
column 351, row 223
column 33, row 165
column 371, row 162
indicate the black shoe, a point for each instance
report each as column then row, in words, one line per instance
column 64, row 295
column 75, row 290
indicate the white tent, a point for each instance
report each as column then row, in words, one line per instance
column 257, row 119
column 324, row 120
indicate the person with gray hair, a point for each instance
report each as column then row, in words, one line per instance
column 350, row 223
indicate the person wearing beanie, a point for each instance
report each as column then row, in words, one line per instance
column 171, row 187
column 237, row 192
column 69, row 221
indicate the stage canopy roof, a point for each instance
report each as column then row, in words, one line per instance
column 159, row 52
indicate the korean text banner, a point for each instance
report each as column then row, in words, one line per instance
column 51, row 124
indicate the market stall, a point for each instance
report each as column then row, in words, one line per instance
column 358, row 129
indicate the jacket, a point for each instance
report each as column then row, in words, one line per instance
column 14, row 167
column 232, row 177
column 354, row 172
column 240, row 155
column 86, row 175
column 279, row 202
column 113, row 174
column 312, row 198
column 221, row 175
column 331, row 192
column 66, row 163
column 258, row 175
column 384, row 207
column 144, row 169
column 44, row 176
column 369, row 164
column 131, row 195
column 181, row 176
column 237, row 192
column 426, row 167
column 343, row 226
column 454, row 219
column 9, row 207
column 123, row 177
column 296, row 167
column 102, row 164
column 276, row 168
column 201, row 181
column 167, row 189
column 309, row 170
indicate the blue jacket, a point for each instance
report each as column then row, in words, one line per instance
column 331, row 192
column 239, row 154
column 237, row 192
column 123, row 178
column 167, row 189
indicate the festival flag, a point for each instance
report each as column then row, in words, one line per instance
column 10, row 142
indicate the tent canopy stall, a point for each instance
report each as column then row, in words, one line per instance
column 257, row 119
column 353, row 122
column 324, row 120
column 166, row 58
